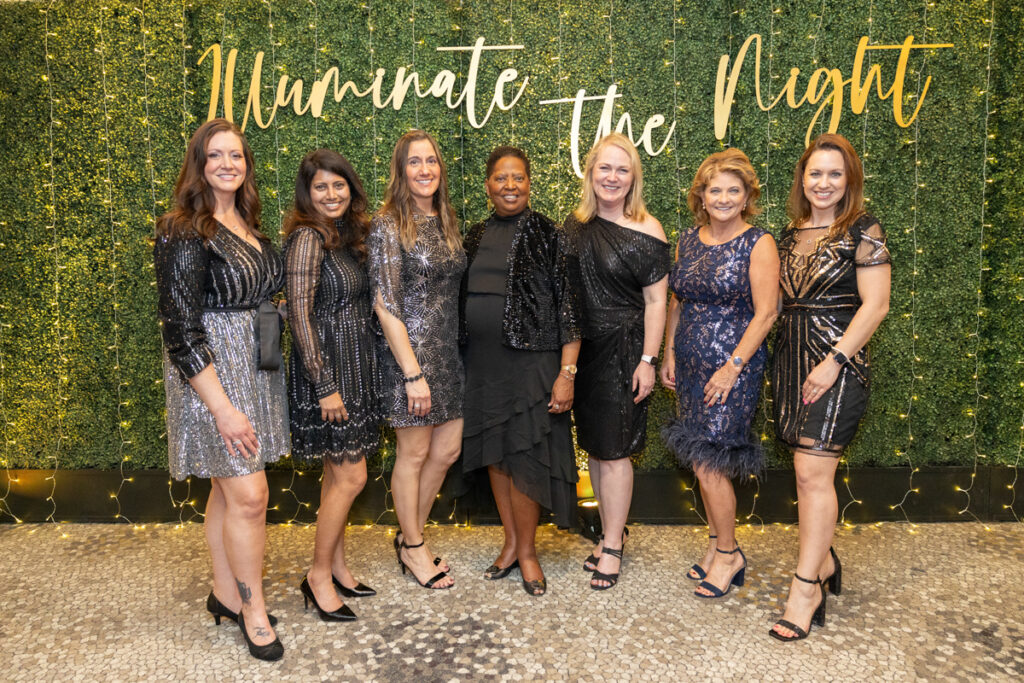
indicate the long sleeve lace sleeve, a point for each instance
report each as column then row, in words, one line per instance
column 303, row 257
column 385, row 265
column 181, row 266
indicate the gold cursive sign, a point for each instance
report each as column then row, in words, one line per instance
column 826, row 86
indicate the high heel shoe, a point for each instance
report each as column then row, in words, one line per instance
column 697, row 572
column 817, row 619
column 590, row 564
column 343, row 613
column 735, row 580
column 432, row 581
column 218, row 610
column 437, row 559
column 494, row 572
column 834, row 581
column 360, row 590
column 271, row 652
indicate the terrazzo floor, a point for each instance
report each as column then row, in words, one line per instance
column 91, row 602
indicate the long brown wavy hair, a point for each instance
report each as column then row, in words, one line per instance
column 398, row 201
column 850, row 207
column 194, row 201
column 355, row 221
column 732, row 161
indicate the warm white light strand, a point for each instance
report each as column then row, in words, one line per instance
column 912, row 314
column 112, row 288
column 60, row 398
column 415, row 100
column 558, row 176
column 766, row 185
column 511, row 62
column 675, row 109
column 976, row 335
column 277, row 124
column 5, row 506
column 373, row 109
column 316, row 65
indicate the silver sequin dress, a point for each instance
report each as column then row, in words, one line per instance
column 196, row 283
column 420, row 287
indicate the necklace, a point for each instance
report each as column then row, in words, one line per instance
column 812, row 240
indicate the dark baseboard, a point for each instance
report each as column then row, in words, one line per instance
column 662, row 497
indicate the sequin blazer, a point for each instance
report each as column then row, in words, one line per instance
column 542, row 305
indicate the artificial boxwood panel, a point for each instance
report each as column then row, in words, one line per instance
column 98, row 100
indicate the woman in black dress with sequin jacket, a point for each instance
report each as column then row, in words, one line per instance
column 333, row 379
column 835, row 277
column 624, row 261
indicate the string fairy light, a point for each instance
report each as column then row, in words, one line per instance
column 316, row 65
column 112, row 288
column 768, row 128
column 60, row 396
column 908, row 415
column 511, row 62
column 975, row 336
column 5, row 506
column 462, row 122
column 412, row 22
column 373, row 109
column 557, row 173
column 676, row 109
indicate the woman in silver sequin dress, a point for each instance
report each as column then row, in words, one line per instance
column 623, row 261
column 835, row 292
column 332, row 378
column 416, row 266
column 227, row 413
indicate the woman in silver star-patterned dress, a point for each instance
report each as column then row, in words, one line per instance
column 416, row 266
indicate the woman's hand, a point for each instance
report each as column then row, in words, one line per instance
column 643, row 381
column 562, row 393
column 332, row 408
column 667, row 373
column 236, row 430
column 718, row 387
column 419, row 397
column 820, row 380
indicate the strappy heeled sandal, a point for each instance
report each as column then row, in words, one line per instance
column 430, row 582
column 735, row 580
column 697, row 572
column 592, row 560
column 611, row 579
column 817, row 619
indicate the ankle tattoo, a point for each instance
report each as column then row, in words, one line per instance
column 244, row 591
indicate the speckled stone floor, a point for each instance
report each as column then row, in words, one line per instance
column 115, row 603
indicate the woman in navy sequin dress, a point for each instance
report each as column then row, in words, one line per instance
column 725, row 286
column 333, row 383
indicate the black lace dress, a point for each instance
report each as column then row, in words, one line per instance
column 420, row 287
column 616, row 263
column 819, row 299
column 334, row 350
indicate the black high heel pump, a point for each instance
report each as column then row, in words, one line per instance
column 218, row 610
column 271, row 652
column 343, row 613
column 360, row 590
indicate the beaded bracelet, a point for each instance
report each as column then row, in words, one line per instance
column 414, row 377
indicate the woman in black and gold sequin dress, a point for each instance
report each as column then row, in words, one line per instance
column 416, row 266
column 835, row 279
column 623, row 261
column 227, row 414
column 333, row 383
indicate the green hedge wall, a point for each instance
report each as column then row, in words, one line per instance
column 98, row 99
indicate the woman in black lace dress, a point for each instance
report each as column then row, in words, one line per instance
column 623, row 261
column 835, row 292
column 521, row 315
column 227, row 414
column 332, row 379
column 416, row 266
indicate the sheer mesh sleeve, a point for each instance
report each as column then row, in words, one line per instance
column 303, row 257
column 871, row 249
column 385, row 265
column 181, row 266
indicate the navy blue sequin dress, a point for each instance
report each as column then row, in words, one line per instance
column 712, row 284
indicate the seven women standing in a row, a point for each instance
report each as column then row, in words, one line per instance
column 537, row 304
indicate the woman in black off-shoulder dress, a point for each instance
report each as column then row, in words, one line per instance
column 333, row 382
column 624, row 261
column 835, row 279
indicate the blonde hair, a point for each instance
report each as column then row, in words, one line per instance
column 398, row 201
column 634, row 206
column 732, row 161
